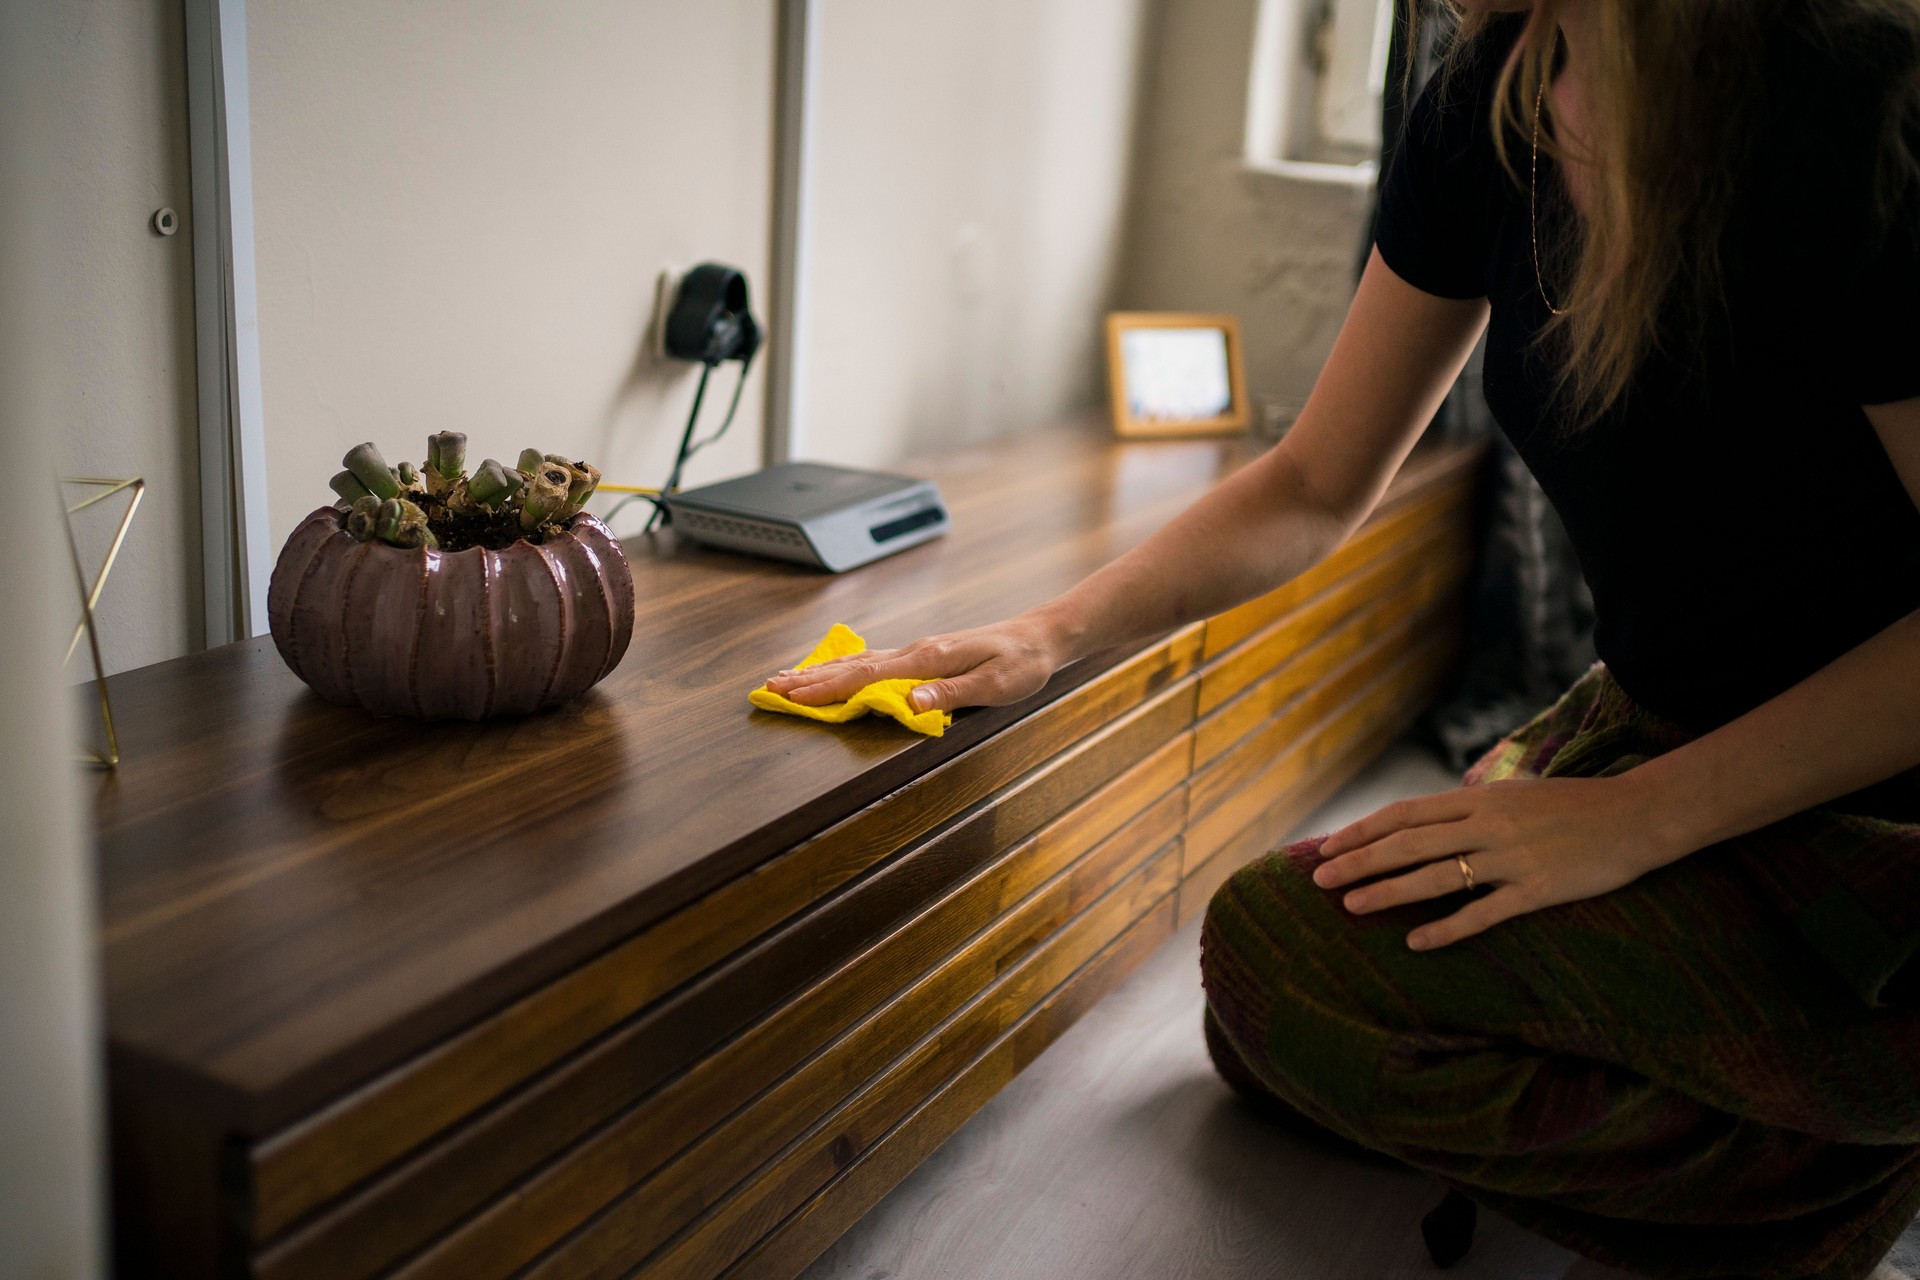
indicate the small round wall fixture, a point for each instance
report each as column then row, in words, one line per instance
column 433, row 594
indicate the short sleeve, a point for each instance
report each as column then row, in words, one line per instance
column 1879, row 357
column 1436, row 202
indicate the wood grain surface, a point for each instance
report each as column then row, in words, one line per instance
column 1439, row 550
column 796, row 1176
column 631, row 1217
column 1320, row 774
column 1440, row 474
column 301, row 1167
column 785, row 1251
column 411, row 1204
column 615, row 981
column 296, row 895
column 1384, row 686
column 1300, row 649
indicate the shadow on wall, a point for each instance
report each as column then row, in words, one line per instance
column 1206, row 232
column 972, row 176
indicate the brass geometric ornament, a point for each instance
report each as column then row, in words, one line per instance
column 109, row 756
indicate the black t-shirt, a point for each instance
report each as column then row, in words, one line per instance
column 1736, row 516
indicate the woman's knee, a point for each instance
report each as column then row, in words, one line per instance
column 1267, row 915
column 1256, row 935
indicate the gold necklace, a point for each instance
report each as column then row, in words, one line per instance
column 1533, row 202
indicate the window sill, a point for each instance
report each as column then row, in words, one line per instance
column 1316, row 172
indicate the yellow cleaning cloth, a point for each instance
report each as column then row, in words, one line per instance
column 888, row 697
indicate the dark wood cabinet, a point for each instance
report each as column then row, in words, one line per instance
column 656, row 985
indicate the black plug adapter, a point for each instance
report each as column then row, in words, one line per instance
column 710, row 320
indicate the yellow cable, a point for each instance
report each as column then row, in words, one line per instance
column 627, row 488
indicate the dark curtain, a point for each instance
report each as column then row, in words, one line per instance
column 1529, row 617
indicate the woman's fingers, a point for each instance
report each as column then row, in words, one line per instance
column 783, row 680
column 1446, row 806
column 1433, row 880
column 1477, row 916
column 936, row 658
column 987, row 666
column 990, row 684
column 841, row 678
column 1403, row 848
column 1438, row 880
column 948, row 695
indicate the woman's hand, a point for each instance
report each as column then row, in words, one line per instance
column 983, row 667
column 1534, row 843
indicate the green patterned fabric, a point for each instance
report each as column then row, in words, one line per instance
column 1714, row 1071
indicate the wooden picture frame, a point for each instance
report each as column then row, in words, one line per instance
column 1129, row 421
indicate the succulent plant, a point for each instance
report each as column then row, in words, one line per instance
column 546, row 495
column 585, row 478
column 440, row 506
column 361, row 520
column 447, row 455
column 492, row 485
column 371, row 470
column 348, row 486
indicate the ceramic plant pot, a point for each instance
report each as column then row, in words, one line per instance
column 450, row 635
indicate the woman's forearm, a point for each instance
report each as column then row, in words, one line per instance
column 1396, row 356
column 1853, row 723
column 1251, row 533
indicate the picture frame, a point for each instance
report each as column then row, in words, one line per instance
column 1176, row 373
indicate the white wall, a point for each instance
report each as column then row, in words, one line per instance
column 51, row 1218
column 972, row 164
column 1206, row 233
column 112, row 113
column 461, row 208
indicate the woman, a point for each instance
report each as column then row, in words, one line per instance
column 1653, row 991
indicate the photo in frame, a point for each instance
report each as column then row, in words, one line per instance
column 1176, row 373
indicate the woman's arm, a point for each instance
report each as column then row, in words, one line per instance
column 1539, row 843
column 1398, row 352
column 1854, row 722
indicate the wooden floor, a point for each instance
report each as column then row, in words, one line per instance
column 1118, row 1154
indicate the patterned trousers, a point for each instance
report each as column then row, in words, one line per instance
column 1713, row 1071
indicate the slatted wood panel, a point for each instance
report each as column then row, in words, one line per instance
column 301, row 1168
column 587, row 1100
column 710, row 1245
column 1233, row 790
column 1435, row 484
column 785, row 1252
column 637, row 1156
column 1303, row 648
column 729, row 1078
column 1380, row 592
column 1296, row 782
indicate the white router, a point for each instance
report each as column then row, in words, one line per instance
column 834, row 518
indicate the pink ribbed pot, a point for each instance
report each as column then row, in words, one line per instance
column 460, row 635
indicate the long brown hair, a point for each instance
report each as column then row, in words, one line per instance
column 1673, row 102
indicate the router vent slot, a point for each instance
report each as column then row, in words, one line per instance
column 732, row 526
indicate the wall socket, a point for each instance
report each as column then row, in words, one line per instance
column 666, row 286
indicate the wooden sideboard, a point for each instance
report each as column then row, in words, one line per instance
column 656, row 985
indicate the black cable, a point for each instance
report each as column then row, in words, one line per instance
column 732, row 408
column 621, row 505
column 680, row 455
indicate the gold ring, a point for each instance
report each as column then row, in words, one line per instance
column 1466, row 870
